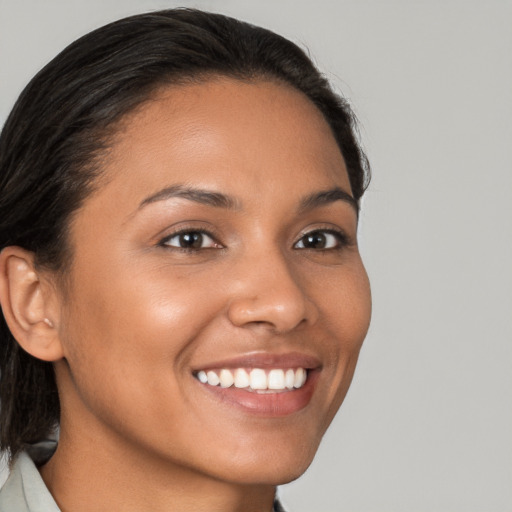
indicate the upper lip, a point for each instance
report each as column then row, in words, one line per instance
column 266, row 360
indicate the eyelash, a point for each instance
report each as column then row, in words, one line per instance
column 341, row 240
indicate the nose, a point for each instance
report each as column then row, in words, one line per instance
column 269, row 292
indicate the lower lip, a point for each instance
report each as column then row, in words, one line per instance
column 266, row 404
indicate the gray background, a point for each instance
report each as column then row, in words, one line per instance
column 427, row 425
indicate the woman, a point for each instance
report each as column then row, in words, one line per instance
column 181, row 286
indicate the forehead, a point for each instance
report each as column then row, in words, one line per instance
column 259, row 132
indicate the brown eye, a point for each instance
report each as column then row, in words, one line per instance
column 190, row 240
column 320, row 240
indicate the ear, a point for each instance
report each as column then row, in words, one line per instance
column 29, row 304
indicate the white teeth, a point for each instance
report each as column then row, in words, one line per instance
column 226, row 379
column 241, row 378
column 257, row 379
column 289, row 378
column 300, row 378
column 276, row 379
column 213, row 378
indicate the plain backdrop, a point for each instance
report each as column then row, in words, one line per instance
column 427, row 425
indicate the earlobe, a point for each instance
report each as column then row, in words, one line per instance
column 28, row 301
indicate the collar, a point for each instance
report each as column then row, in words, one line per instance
column 24, row 490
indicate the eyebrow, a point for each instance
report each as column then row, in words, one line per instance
column 326, row 197
column 219, row 200
column 205, row 197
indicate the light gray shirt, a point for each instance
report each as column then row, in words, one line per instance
column 24, row 490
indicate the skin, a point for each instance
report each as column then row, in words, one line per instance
column 139, row 314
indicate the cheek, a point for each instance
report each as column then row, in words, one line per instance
column 129, row 330
column 128, row 304
column 345, row 304
column 346, row 312
column 128, row 342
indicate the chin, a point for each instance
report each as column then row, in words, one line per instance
column 266, row 476
column 270, row 466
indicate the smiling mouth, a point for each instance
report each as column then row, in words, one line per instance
column 255, row 380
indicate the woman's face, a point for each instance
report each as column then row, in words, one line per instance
column 221, row 246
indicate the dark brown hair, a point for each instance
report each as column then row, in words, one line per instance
column 52, row 142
